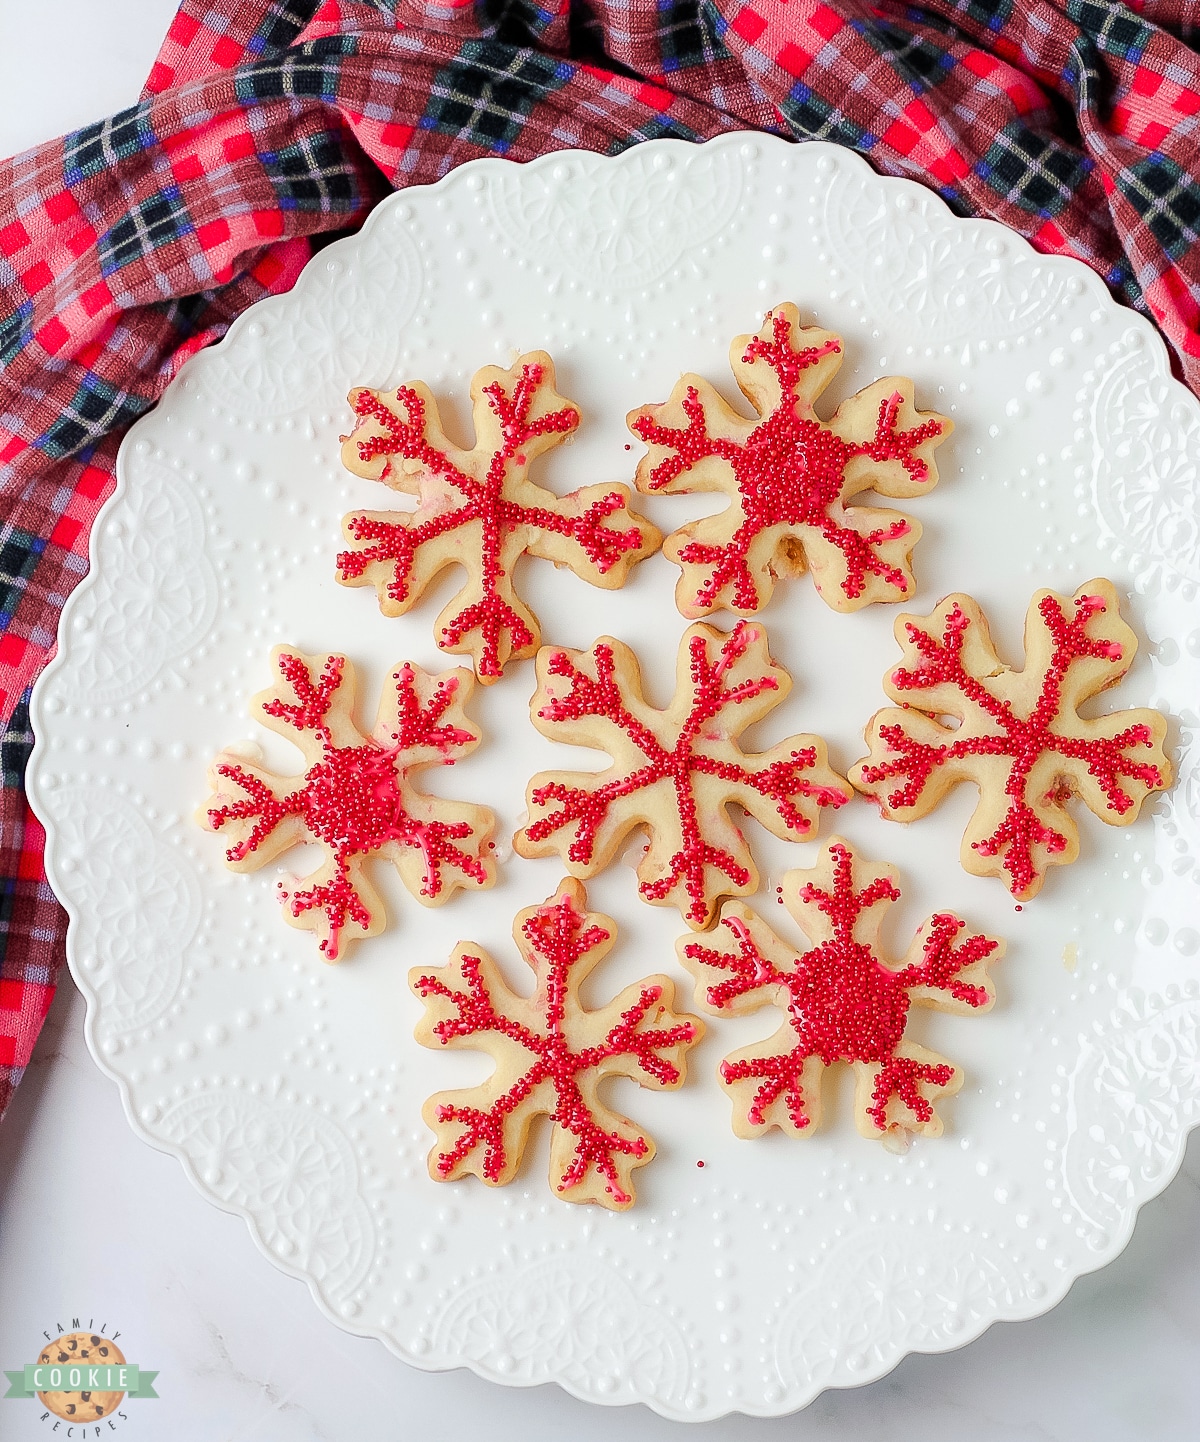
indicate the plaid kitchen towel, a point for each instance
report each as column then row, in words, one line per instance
column 127, row 245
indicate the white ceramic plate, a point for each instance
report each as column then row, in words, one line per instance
column 291, row 1090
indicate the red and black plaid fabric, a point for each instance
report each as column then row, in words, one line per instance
column 127, row 245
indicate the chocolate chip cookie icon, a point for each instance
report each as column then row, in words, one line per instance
column 81, row 1349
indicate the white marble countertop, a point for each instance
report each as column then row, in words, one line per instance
column 95, row 1224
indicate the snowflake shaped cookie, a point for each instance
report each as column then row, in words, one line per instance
column 478, row 509
column 551, row 1055
column 1019, row 736
column 843, row 1000
column 790, row 476
column 356, row 798
column 673, row 772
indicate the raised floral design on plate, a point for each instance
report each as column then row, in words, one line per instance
column 572, row 1318
column 294, row 1173
column 1130, row 1092
column 288, row 356
column 143, row 905
column 157, row 594
column 887, row 1279
column 951, row 280
column 1144, row 430
column 620, row 226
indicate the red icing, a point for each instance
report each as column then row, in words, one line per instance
column 1022, row 739
column 489, row 501
column 558, row 936
column 791, row 471
column 585, row 807
column 351, row 800
column 843, row 1001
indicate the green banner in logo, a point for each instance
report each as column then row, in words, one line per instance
column 79, row 1377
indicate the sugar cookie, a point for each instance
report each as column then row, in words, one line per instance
column 1020, row 737
column 356, row 797
column 674, row 772
column 843, row 1000
column 552, row 1054
column 789, row 475
column 478, row 509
